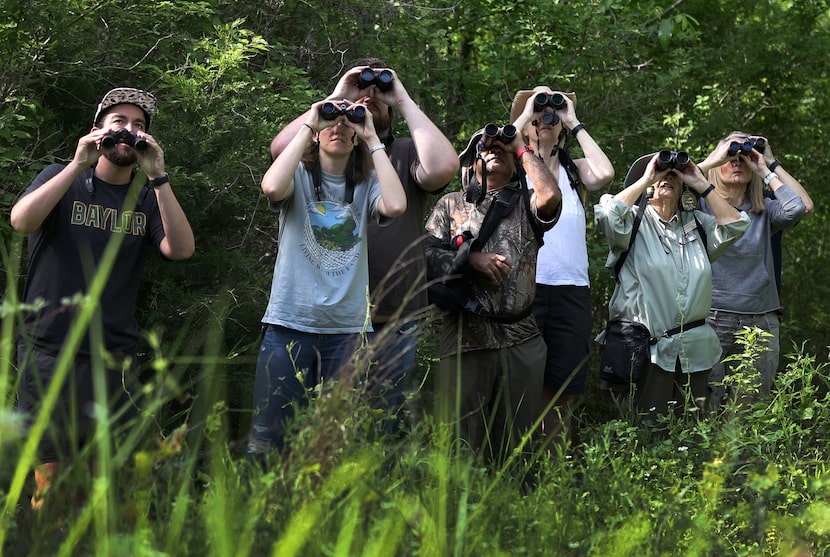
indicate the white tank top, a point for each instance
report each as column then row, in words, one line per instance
column 563, row 259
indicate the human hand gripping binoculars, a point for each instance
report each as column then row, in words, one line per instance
column 744, row 147
column 123, row 136
column 544, row 100
column 354, row 114
column 675, row 160
column 382, row 79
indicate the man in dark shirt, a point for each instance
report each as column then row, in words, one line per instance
column 73, row 213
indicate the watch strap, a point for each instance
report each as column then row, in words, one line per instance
column 160, row 181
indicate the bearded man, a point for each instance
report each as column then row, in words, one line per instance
column 72, row 213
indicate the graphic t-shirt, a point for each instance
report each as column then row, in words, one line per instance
column 65, row 251
column 321, row 276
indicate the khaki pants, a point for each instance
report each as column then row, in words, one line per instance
column 493, row 396
column 658, row 387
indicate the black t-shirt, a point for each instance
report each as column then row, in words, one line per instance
column 65, row 251
column 397, row 258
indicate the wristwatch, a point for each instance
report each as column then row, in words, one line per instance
column 770, row 177
column 160, row 181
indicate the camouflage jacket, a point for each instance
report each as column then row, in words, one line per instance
column 514, row 238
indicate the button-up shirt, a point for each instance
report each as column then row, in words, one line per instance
column 666, row 280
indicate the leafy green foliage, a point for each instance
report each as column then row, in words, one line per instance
column 752, row 480
column 230, row 75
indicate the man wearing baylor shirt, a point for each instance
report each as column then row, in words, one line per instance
column 71, row 213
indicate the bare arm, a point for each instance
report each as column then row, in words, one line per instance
column 719, row 154
column 438, row 159
column 595, row 169
column 633, row 192
column 178, row 242
column 32, row 209
column 392, row 195
column 545, row 186
column 278, row 181
column 282, row 139
column 723, row 212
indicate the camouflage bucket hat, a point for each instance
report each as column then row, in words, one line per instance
column 127, row 95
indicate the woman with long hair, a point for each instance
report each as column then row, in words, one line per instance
column 331, row 179
column 744, row 288
column 664, row 282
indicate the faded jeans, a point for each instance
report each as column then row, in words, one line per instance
column 726, row 324
column 290, row 363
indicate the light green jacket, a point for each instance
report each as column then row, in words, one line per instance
column 666, row 280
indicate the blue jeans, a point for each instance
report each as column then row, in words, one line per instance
column 393, row 357
column 726, row 324
column 290, row 363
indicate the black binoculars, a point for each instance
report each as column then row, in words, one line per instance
column 505, row 134
column 554, row 100
column 547, row 118
column 676, row 160
column 382, row 79
column 123, row 136
column 745, row 146
column 330, row 111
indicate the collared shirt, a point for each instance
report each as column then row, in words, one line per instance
column 666, row 280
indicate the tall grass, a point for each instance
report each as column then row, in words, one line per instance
column 752, row 480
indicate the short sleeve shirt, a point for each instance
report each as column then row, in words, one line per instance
column 65, row 251
column 321, row 275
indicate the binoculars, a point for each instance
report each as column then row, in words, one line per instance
column 382, row 79
column 676, row 160
column 747, row 145
column 123, row 136
column 554, row 100
column 330, row 111
column 505, row 134
column 548, row 118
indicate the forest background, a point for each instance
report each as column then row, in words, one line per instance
column 230, row 75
